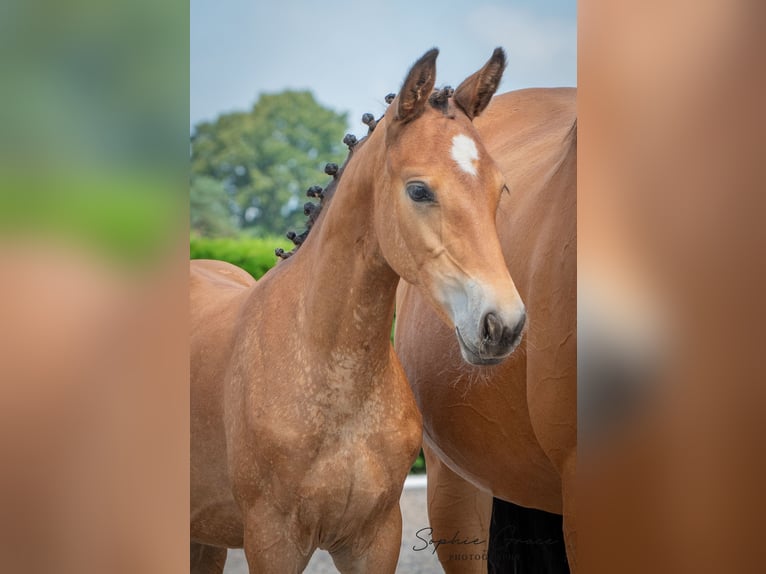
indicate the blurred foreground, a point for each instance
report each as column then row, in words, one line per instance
column 93, row 242
column 671, row 393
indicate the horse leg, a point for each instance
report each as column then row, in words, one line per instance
column 204, row 559
column 273, row 545
column 460, row 515
column 382, row 553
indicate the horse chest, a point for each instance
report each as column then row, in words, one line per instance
column 351, row 482
column 343, row 470
column 333, row 447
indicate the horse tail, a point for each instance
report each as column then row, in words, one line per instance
column 525, row 540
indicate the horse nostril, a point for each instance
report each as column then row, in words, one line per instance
column 493, row 328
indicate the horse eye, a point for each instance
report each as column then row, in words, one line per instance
column 420, row 193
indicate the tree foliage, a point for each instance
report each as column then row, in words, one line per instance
column 209, row 207
column 263, row 161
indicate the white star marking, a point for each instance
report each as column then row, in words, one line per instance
column 464, row 152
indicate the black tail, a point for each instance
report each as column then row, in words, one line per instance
column 525, row 541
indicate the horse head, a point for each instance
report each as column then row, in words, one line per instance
column 436, row 200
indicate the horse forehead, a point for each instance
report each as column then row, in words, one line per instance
column 450, row 146
column 459, row 147
column 465, row 153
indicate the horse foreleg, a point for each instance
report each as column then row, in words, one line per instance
column 381, row 551
column 460, row 515
column 273, row 545
column 205, row 559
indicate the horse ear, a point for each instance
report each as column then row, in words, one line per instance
column 474, row 94
column 417, row 87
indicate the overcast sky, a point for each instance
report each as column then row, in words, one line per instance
column 351, row 53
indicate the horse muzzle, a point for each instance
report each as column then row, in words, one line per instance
column 494, row 341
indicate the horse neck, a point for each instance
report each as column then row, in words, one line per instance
column 349, row 288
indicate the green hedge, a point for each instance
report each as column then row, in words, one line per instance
column 419, row 466
column 253, row 254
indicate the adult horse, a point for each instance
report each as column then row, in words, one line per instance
column 303, row 426
column 507, row 430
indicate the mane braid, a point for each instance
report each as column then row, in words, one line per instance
column 439, row 99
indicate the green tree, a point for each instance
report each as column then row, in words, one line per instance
column 209, row 208
column 266, row 158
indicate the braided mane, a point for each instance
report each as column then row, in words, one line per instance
column 439, row 99
column 312, row 210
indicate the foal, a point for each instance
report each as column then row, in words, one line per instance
column 303, row 426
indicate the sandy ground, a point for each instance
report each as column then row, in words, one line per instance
column 414, row 517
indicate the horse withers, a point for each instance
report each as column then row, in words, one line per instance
column 303, row 426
